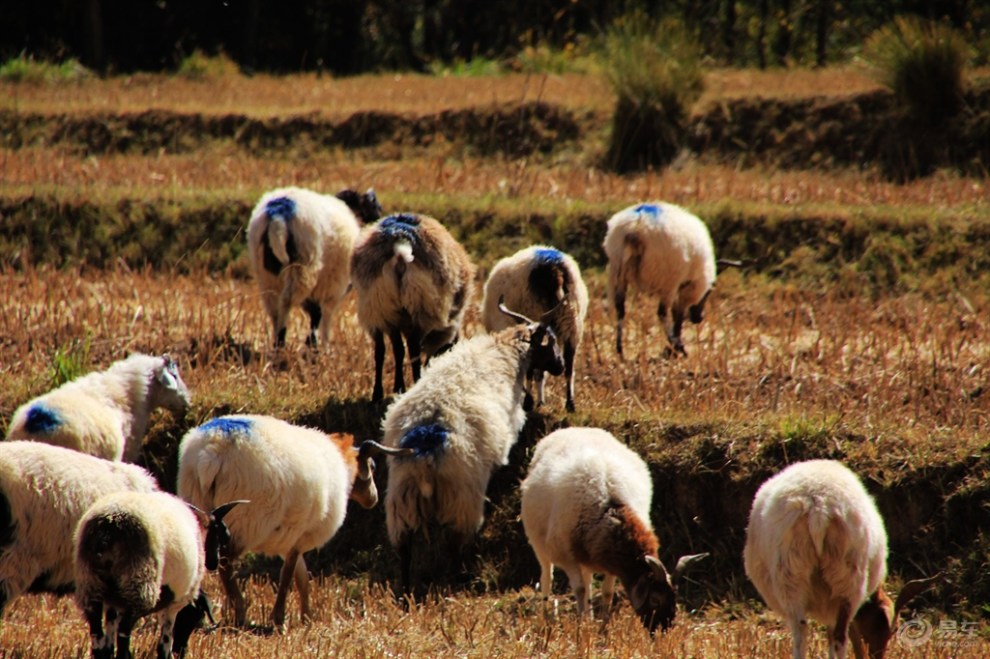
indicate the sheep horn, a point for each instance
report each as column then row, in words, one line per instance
column 221, row 511
column 656, row 566
column 512, row 314
column 370, row 448
column 684, row 562
column 912, row 589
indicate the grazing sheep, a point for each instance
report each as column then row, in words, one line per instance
column 460, row 420
column 661, row 249
column 139, row 553
column 541, row 282
column 300, row 246
column 413, row 280
column 298, row 481
column 104, row 413
column 816, row 547
column 586, row 508
column 44, row 491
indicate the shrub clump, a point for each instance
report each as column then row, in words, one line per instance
column 923, row 63
column 200, row 66
column 656, row 74
column 26, row 69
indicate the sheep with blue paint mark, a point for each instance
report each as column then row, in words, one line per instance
column 413, row 281
column 44, row 491
column 300, row 243
column 104, row 413
column 460, row 421
column 541, row 282
column 142, row 553
column 662, row 250
column 298, row 481
column 816, row 547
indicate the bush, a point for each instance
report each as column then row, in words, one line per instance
column 199, row 66
column 923, row 63
column 655, row 71
column 28, row 70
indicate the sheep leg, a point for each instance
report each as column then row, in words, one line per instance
column 302, row 585
column 414, row 338
column 697, row 311
column 580, row 580
column 284, row 583
column 404, row 549
column 399, row 356
column 378, row 393
column 312, row 308
column 546, row 576
column 839, row 634
column 230, row 587
column 608, row 590
column 102, row 644
column 538, row 377
column 799, row 635
column 569, row 353
column 620, row 315
column 165, row 641
column 675, row 336
column 127, row 620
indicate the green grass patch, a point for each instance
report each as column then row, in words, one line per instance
column 26, row 69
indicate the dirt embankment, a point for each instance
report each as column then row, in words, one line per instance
column 868, row 129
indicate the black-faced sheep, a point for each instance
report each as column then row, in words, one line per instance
column 412, row 280
column 104, row 413
column 461, row 419
column 586, row 508
column 545, row 283
column 816, row 547
column 44, row 491
column 298, row 481
column 139, row 553
column 300, row 245
column 663, row 250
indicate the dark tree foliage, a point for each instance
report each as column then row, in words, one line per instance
column 351, row 36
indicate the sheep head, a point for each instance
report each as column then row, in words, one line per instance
column 544, row 353
column 365, row 206
column 365, row 492
column 167, row 387
column 217, row 534
column 653, row 595
column 877, row 619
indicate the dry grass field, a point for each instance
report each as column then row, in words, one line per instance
column 892, row 381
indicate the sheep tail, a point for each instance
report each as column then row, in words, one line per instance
column 632, row 252
column 278, row 237
column 819, row 519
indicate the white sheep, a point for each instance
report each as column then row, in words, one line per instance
column 461, row 420
column 44, row 491
column 298, row 481
column 104, row 413
column 139, row 553
column 300, row 243
column 816, row 547
column 541, row 282
column 413, row 280
column 586, row 508
column 660, row 249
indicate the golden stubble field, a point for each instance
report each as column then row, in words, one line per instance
column 896, row 380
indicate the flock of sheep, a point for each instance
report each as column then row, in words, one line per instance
column 74, row 516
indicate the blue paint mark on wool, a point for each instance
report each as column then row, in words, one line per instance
column 400, row 226
column 653, row 210
column 228, row 426
column 281, row 207
column 42, row 419
column 426, row 440
column 548, row 256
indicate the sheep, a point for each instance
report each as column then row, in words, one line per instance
column 44, row 491
column 139, row 553
column 661, row 249
column 461, row 420
column 412, row 280
column 586, row 508
column 541, row 282
column 104, row 413
column 298, row 480
column 300, row 242
column 816, row 547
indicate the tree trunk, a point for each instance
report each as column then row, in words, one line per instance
column 821, row 31
column 93, row 23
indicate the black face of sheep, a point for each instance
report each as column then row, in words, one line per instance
column 544, row 353
column 217, row 534
column 364, row 206
column 653, row 597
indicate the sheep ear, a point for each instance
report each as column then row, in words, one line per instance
column 684, row 562
column 656, row 567
column 167, row 379
column 912, row 589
